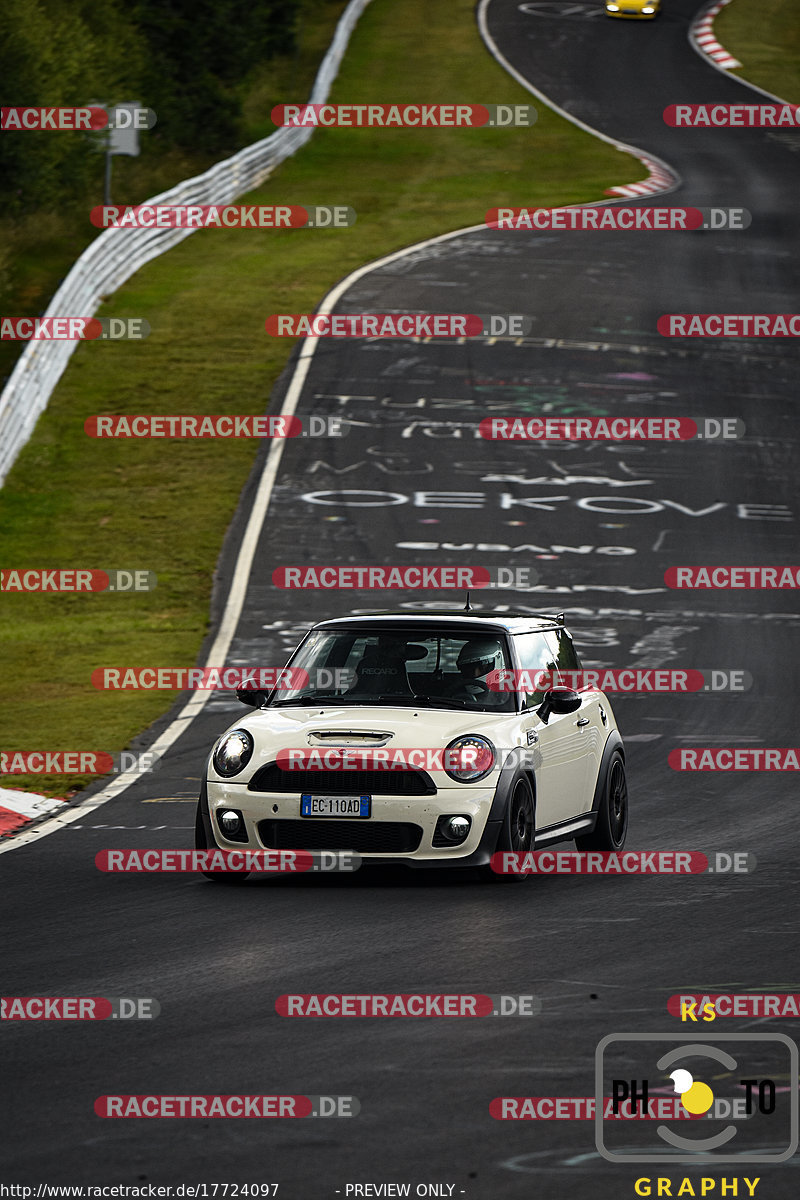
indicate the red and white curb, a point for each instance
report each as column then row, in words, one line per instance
column 702, row 37
column 659, row 180
column 18, row 809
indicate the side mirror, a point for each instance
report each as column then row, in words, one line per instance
column 558, row 700
column 254, row 697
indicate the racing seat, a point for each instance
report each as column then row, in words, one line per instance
column 378, row 674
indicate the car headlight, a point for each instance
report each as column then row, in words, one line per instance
column 469, row 758
column 612, row 7
column 233, row 753
column 649, row 9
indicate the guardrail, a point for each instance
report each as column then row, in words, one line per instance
column 117, row 254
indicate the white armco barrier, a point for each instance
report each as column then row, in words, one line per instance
column 117, row 254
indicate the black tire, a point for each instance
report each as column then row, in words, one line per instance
column 612, row 816
column 518, row 831
column 201, row 843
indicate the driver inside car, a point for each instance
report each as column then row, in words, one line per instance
column 476, row 659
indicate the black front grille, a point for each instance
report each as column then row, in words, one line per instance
column 365, row 837
column 401, row 782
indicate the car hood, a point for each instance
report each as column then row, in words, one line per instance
column 408, row 728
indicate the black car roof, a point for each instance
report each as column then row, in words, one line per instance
column 468, row 622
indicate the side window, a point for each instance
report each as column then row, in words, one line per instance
column 564, row 651
column 535, row 654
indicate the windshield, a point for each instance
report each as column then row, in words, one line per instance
column 430, row 669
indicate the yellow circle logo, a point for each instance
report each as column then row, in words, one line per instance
column 696, row 1098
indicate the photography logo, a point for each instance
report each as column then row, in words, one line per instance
column 738, row 1098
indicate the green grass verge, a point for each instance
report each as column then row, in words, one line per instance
column 765, row 36
column 73, row 501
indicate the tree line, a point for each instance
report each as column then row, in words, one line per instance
column 187, row 59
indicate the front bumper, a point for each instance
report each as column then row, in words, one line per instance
column 408, row 821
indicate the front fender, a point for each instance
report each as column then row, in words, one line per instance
column 508, row 777
column 613, row 742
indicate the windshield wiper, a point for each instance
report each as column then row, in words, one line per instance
column 372, row 700
column 454, row 701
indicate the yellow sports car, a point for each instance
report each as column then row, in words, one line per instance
column 646, row 9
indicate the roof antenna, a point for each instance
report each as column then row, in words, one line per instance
column 468, row 606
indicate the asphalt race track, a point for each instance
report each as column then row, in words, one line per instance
column 412, row 483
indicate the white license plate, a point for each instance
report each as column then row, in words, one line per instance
column 335, row 806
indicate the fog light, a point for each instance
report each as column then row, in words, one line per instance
column 231, row 824
column 451, row 831
column 457, row 828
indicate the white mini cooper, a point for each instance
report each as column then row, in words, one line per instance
column 394, row 739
